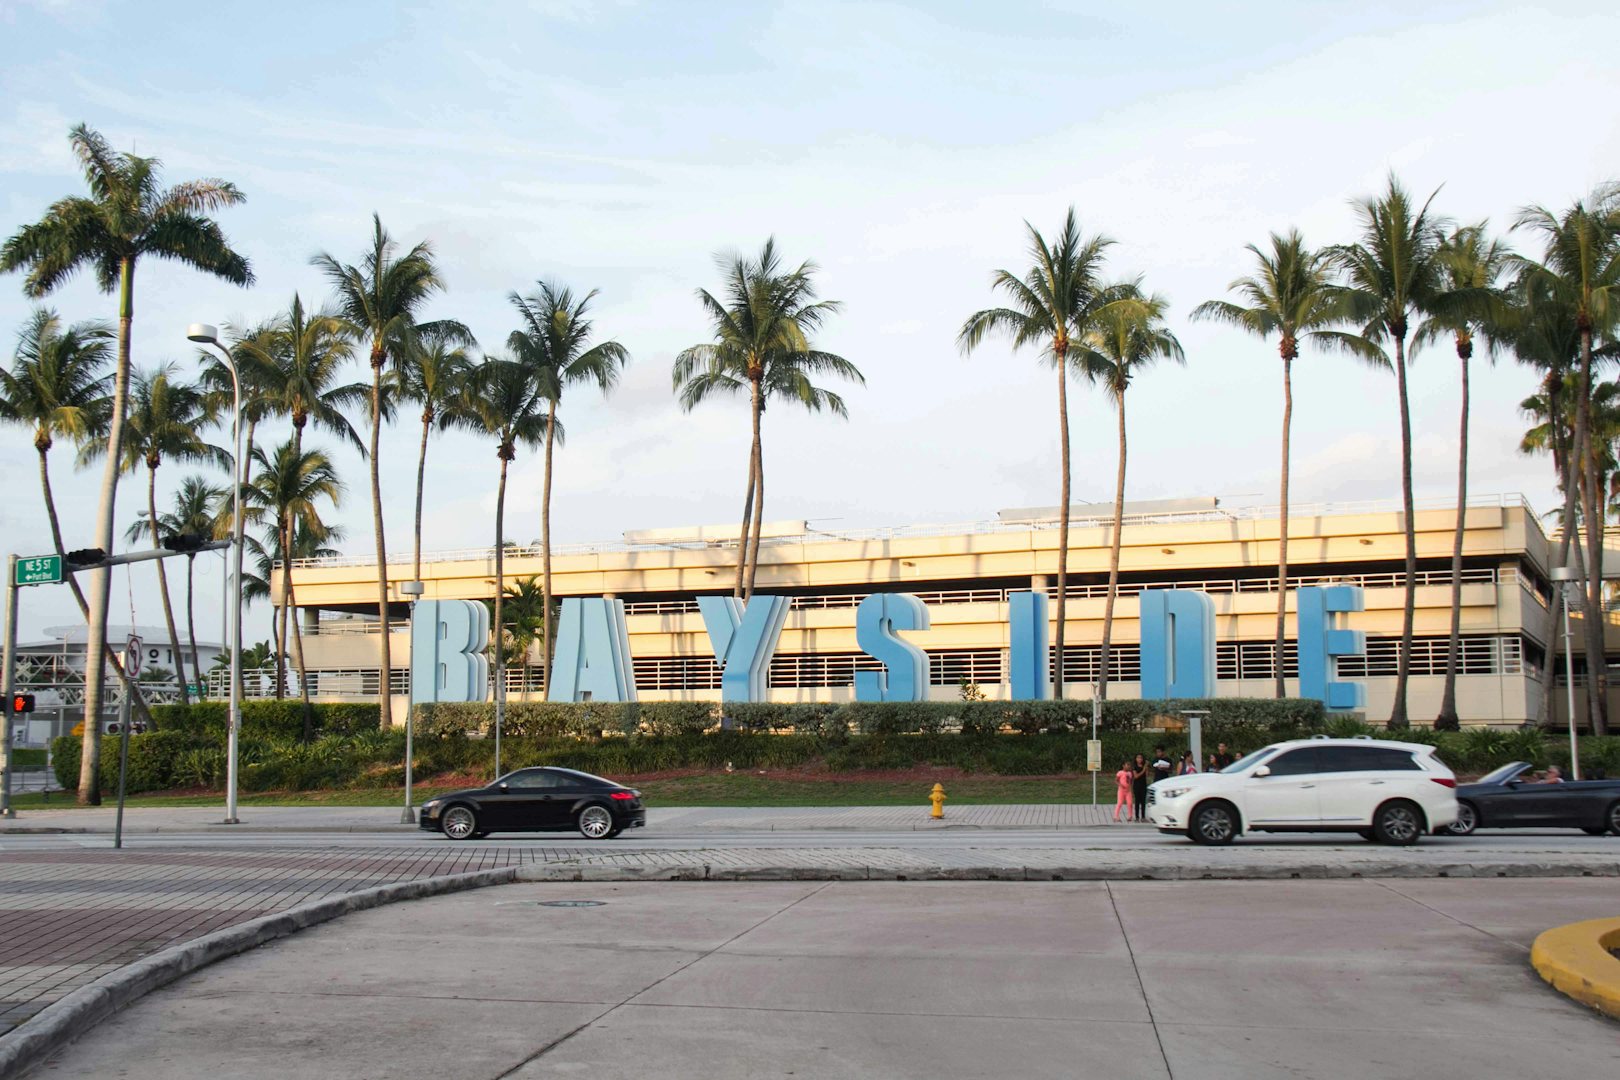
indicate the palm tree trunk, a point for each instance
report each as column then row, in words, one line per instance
column 1448, row 719
column 545, row 553
column 1403, row 668
column 500, row 590
column 280, row 625
column 384, row 660
column 101, row 580
column 1288, row 347
column 421, row 472
column 1561, row 466
column 742, row 537
column 132, row 688
column 163, row 587
column 759, row 492
column 290, row 608
column 1063, row 521
column 1113, row 554
column 1592, row 620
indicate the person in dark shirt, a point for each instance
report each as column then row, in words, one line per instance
column 1162, row 767
column 1140, row 770
column 1222, row 757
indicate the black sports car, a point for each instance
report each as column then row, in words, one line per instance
column 1508, row 799
column 537, row 800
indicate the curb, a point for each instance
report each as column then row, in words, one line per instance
column 1579, row 961
column 704, row 871
column 245, row 828
column 59, row 1023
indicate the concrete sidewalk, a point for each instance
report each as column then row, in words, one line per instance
column 1241, row 980
column 385, row 819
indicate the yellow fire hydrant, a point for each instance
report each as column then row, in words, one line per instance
column 937, row 797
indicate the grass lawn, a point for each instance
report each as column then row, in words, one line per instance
column 885, row 788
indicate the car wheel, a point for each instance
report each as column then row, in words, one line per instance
column 1213, row 823
column 614, row 835
column 460, row 823
column 595, row 823
column 1467, row 821
column 1614, row 818
column 1398, row 822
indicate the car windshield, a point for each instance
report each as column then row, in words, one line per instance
column 1504, row 774
column 575, row 774
column 1249, row 760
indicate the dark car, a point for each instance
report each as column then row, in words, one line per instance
column 537, row 800
column 1509, row 798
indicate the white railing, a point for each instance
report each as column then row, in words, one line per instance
column 972, row 528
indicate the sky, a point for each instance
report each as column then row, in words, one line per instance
column 619, row 146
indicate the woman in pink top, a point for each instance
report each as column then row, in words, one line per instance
column 1124, row 778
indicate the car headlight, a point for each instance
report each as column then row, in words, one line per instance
column 431, row 806
column 1174, row 792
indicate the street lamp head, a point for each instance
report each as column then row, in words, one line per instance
column 203, row 333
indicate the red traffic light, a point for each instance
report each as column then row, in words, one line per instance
column 21, row 703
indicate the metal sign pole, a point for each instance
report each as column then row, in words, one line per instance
column 8, row 677
column 123, row 765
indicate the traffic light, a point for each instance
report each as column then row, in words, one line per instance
column 21, row 703
column 86, row 557
column 184, row 541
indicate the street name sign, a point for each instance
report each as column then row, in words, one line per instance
column 39, row 570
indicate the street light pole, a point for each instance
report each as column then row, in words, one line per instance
column 1564, row 575
column 412, row 589
column 204, row 334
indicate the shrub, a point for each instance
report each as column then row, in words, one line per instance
column 282, row 719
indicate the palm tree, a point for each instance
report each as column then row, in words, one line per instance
column 1581, row 269
column 509, row 403
column 433, row 372
column 1291, row 294
column 194, row 512
column 1055, row 305
column 164, row 419
column 58, row 386
column 1127, row 337
column 127, row 216
column 1469, row 307
column 1395, row 275
column 291, row 484
column 554, row 343
column 762, row 347
column 526, row 608
column 294, row 369
column 381, row 299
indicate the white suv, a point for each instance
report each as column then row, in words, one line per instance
column 1393, row 792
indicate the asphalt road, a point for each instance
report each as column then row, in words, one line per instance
column 1114, row 838
column 1236, row 980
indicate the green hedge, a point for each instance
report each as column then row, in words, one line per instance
column 161, row 760
column 593, row 719
column 267, row 719
column 28, row 757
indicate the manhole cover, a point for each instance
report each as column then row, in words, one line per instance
column 571, row 903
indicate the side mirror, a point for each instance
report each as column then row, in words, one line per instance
column 503, row 787
column 1264, row 770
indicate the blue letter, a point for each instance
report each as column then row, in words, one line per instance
column 1029, row 658
column 876, row 620
column 593, row 653
column 1178, row 644
column 744, row 641
column 1320, row 642
column 448, row 639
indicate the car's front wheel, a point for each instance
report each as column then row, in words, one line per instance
column 1614, row 818
column 1213, row 823
column 1467, row 820
column 1398, row 822
column 460, row 823
column 595, row 823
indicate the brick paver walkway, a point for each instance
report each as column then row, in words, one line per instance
column 69, row 917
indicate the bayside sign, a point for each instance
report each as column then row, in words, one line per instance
column 449, row 637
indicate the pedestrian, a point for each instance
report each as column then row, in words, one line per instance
column 1222, row 757
column 1122, row 800
column 1162, row 768
column 1139, row 786
column 1187, row 766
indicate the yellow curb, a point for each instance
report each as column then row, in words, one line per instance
column 1578, row 961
